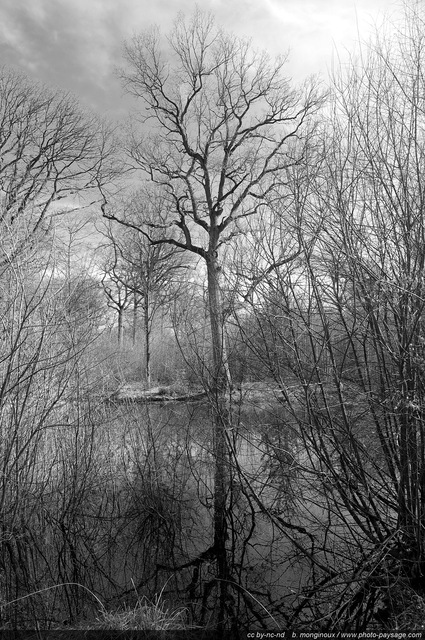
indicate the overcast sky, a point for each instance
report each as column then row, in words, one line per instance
column 76, row 44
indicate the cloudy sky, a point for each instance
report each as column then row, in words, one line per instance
column 76, row 44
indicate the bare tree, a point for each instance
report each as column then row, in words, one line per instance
column 115, row 283
column 52, row 153
column 219, row 123
column 341, row 333
column 54, row 157
column 152, row 274
column 141, row 274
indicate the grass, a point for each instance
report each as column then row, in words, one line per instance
column 144, row 616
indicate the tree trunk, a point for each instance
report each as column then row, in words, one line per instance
column 134, row 327
column 219, row 386
column 120, row 329
column 147, row 332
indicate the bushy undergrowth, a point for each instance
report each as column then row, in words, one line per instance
column 111, row 504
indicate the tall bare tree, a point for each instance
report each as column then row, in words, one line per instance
column 218, row 125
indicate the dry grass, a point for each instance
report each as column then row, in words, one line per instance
column 144, row 616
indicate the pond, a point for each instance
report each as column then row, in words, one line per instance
column 168, row 448
column 120, row 499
